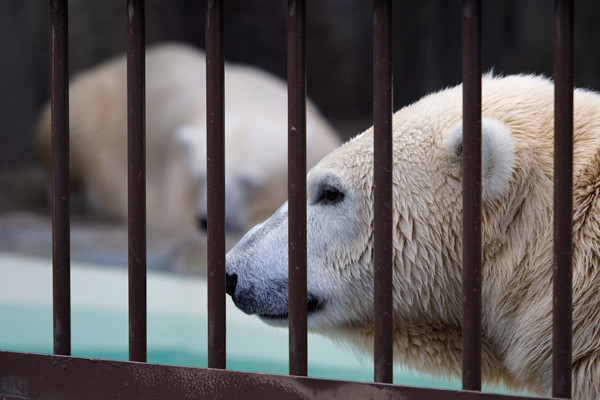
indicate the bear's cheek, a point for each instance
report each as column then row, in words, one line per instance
column 346, row 302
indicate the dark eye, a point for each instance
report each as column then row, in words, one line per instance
column 330, row 195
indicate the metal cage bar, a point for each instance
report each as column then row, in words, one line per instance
column 61, row 257
column 215, row 167
column 297, row 186
column 471, row 242
column 563, row 199
column 136, row 179
column 38, row 376
column 383, row 210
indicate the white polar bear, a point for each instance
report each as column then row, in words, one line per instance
column 255, row 139
column 517, row 170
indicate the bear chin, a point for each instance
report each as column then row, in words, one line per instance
column 314, row 306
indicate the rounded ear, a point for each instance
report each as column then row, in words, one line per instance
column 497, row 155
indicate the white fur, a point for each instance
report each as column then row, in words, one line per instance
column 191, row 141
column 255, row 139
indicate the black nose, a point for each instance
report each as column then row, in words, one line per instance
column 203, row 222
column 230, row 284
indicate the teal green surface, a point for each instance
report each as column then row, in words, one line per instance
column 176, row 325
column 29, row 328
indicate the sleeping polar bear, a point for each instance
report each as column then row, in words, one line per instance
column 255, row 140
column 517, row 187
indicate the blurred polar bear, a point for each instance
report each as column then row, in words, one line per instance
column 255, row 140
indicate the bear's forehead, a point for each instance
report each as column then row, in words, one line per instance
column 419, row 129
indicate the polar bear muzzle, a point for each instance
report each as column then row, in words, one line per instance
column 257, row 270
column 271, row 305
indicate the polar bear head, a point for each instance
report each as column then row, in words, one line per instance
column 427, row 207
column 255, row 159
column 427, row 197
column 240, row 183
column 427, row 213
column 517, row 190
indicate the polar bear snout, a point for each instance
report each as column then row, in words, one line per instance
column 269, row 302
column 257, row 273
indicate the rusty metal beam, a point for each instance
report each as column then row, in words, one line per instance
column 563, row 199
column 61, row 248
column 35, row 376
column 136, row 178
column 471, row 242
column 297, row 186
column 383, row 167
column 215, row 168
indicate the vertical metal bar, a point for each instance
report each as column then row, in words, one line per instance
column 471, row 244
column 383, row 167
column 563, row 198
column 297, row 186
column 61, row 249
column 136, row 182
column 215, row 164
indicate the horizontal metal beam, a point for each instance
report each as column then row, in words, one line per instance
column 36, row 376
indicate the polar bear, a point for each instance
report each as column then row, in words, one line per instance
column 255, row 139
column 517, row 170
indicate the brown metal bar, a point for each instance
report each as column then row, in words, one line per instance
column 136, row 182
column 35, row 376
column 61, row 247
column 383, row 167
column 297, row 186
column 563, row 198
column 471, row 243
column 215, row 165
